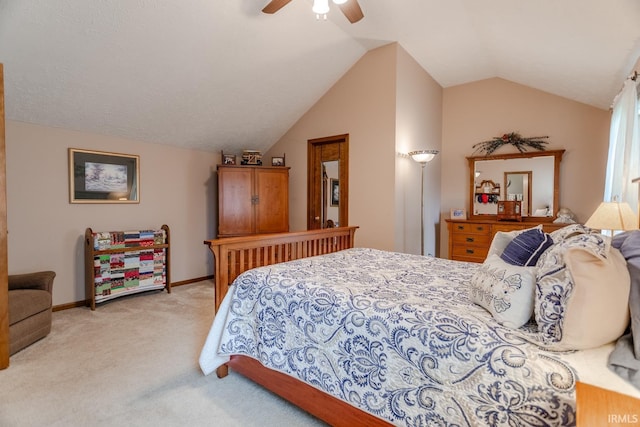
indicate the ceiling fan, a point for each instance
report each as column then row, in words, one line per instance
column 350, row 8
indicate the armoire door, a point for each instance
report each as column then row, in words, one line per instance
column 235, row 201
column 272, row 202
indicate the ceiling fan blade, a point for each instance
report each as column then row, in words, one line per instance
column 352, row 11
column 275, row 5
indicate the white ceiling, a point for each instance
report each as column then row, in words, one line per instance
column 219, row 74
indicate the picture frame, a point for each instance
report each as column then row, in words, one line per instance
column 277, row 161
column 334, row 186
column 103, row 177
column 228, row 159
column 457, row 213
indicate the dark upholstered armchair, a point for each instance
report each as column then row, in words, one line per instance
column 29, row 308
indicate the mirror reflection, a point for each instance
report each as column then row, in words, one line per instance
column 531, row 178
column 330, row 194
column 517, row 186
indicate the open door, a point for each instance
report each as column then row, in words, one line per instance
column 328, row 182
column 4, row 287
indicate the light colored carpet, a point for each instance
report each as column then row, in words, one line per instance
column 134, row 362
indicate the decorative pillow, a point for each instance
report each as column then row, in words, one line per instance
column 505, row 290
column 582, row 293
column 502, row 238
column 526, row 247
column 563, row 233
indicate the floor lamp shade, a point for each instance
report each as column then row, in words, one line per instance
column 423, row 156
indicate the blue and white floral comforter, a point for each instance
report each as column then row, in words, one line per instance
column 395, row 335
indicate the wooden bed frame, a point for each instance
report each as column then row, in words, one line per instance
column 234, row 255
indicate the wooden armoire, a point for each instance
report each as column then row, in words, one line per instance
column 252, row 200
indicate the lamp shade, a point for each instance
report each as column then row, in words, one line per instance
column 423, row 156
column 613, row 216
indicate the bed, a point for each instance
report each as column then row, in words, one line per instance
column 359, row 336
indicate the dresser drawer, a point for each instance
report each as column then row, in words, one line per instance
column 466, row 228
column 469, row 253
column 471, row 239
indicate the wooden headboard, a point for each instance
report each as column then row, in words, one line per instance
column 234, row 255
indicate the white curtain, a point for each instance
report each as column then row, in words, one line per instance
column 623, row 164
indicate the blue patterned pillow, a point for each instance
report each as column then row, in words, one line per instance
column 526, row 247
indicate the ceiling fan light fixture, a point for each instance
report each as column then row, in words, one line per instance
column 320, row 7
column 340, row 1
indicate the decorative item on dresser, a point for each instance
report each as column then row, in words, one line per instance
column 252, row 200
column 509, row 210
column 470, row 240
column 119, row 263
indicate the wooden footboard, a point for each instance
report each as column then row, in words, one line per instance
column 234, row 255
column 329, row 409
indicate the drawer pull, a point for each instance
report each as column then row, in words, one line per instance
column 470, row 239
column 480, row 228
column 461, row 227
column 470, row 251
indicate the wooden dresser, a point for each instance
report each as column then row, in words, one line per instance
column 469, row 240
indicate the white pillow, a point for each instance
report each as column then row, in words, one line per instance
column 582, row 295
column 506, row 291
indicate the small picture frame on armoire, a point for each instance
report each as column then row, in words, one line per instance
column 277, row 161
column 228, row 159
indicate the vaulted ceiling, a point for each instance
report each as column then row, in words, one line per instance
column 219, row 74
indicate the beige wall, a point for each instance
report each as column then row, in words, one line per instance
column 418, row 127
column 481, row 110
column 386, row 103
column 361, row 104
column 46, row 231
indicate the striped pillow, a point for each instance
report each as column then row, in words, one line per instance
column 526, row 247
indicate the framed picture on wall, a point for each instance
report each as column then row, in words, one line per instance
column 458, row 214
column 103, row 177
column 335, row 192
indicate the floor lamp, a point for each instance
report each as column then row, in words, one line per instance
column 422, row 157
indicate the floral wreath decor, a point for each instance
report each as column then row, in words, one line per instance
column 512, row 138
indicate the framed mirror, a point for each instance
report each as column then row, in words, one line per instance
column 531, row 178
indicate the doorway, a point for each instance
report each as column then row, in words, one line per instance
column 328, row 182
